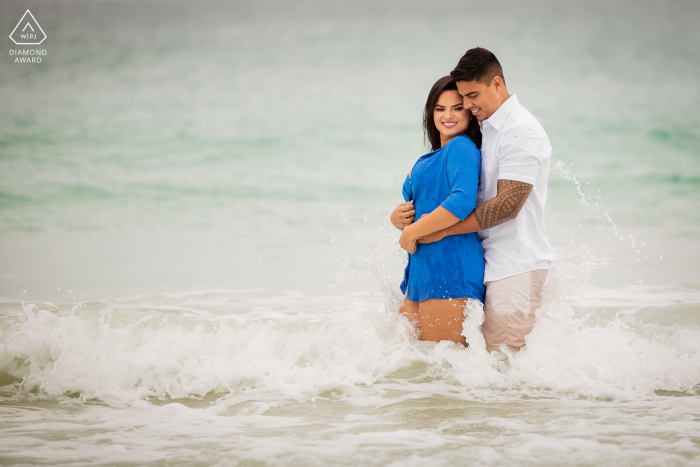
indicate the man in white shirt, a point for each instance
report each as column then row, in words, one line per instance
column 515, row 157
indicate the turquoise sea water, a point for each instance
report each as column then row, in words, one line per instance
column 197, row 265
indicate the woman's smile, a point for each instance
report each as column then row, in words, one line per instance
column 450, row 116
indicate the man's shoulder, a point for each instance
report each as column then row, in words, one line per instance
column 521, row 122
column 522, row 131
column 521, row 118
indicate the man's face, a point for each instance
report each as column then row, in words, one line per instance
column 481, row 100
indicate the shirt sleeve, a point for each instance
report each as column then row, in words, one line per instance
column 463, row 167
column 407, row 194
column 519, row 155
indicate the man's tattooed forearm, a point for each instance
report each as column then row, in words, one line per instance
column 505, row 206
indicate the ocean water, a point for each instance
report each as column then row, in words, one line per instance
column 197, row 266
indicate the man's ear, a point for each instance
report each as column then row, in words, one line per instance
column 497, row 82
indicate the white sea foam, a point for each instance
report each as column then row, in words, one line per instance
column 293, row 347
column 288, row 378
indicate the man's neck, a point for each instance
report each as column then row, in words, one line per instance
column 504, row 98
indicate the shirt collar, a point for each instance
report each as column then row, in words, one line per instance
column 499, row 116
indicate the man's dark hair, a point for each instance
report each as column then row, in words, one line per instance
column 479, row 65
column 446, row 83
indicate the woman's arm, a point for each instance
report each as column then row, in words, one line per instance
column 437, row 220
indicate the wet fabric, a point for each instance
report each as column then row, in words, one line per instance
column 454, row 266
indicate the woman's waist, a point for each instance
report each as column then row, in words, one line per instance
column 453, row 257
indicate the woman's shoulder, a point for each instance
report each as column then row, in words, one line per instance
column 462, row 144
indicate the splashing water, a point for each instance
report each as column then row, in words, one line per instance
column 277, row 361
column 297, row 346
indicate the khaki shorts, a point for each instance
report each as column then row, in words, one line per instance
column 509, row 309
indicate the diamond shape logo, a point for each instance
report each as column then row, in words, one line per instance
column 28, row 31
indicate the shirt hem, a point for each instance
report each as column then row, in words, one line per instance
column 498, row 277
column 431, row 296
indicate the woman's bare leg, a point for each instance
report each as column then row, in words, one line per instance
column 441, row 319
column 410, row 310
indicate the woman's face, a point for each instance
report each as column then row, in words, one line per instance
column 451, row 118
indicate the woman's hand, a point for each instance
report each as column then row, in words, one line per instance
column 408, row 240
column 403, row 215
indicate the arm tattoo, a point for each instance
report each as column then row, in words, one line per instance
column 505, row 206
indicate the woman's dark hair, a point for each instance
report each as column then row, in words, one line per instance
column 446, row 83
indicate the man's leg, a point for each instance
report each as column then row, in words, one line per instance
column 509, row 309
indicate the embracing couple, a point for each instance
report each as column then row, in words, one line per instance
column 479, row 199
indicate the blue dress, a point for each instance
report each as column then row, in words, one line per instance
column 454, row 266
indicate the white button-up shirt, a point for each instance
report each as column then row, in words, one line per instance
column 515, row 147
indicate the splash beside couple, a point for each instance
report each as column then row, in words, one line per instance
column 479, row 199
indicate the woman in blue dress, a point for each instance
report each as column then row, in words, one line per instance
column 440, row 191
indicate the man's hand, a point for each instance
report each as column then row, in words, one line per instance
column 408, row 240
column 439, row 219
column 403, row 215
column 433, row 237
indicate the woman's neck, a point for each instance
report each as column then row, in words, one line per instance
column 444, row 140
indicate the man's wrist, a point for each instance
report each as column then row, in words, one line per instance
column 445, row 232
